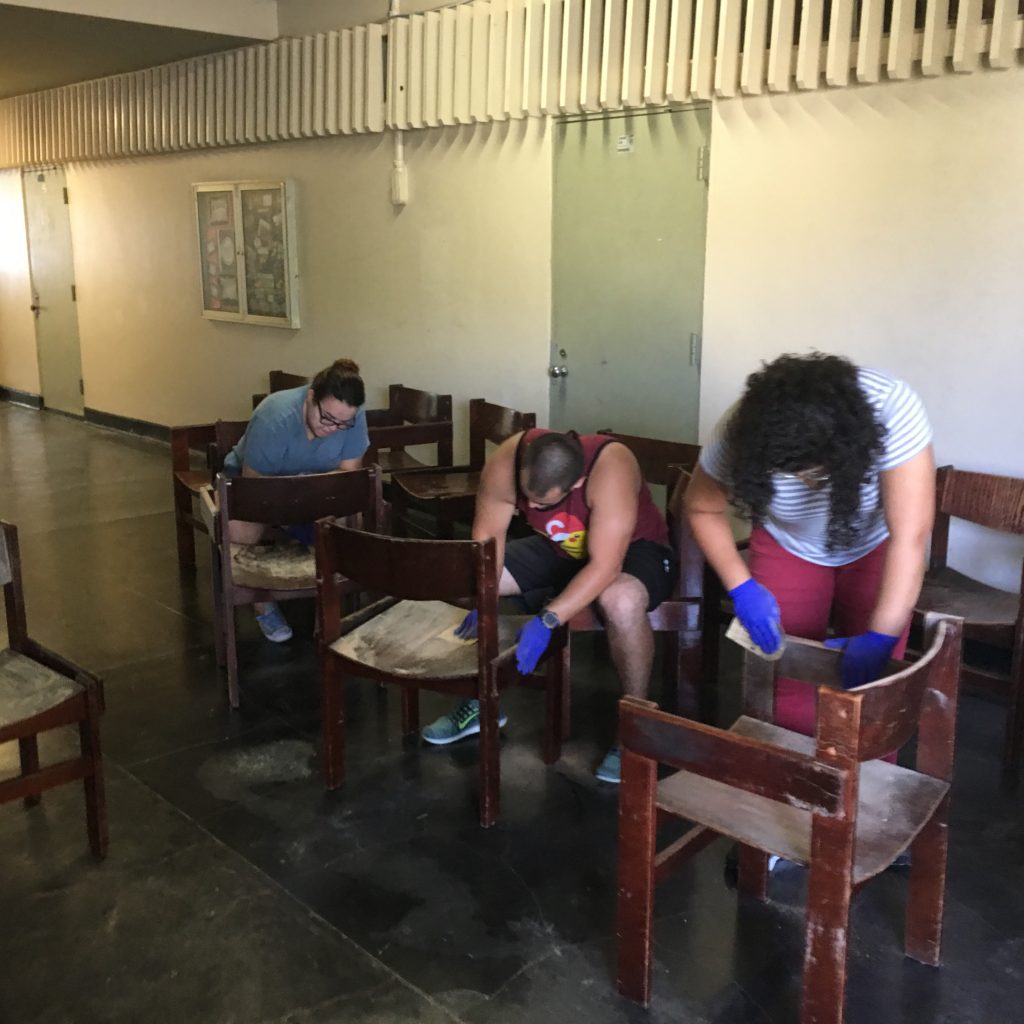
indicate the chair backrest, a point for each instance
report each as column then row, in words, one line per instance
column 10, row 580
column 657, row 458
column 873, row 720
column 493, row 423
column 195, row 437
column 412, row 418
column 298, row 500
column 226, row 434
column 996, row 502
column 280, row 380
column 690, row 585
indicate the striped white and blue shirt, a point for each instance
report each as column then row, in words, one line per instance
column 798, row 516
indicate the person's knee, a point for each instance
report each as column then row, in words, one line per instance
column 624, row 602
column 240, row 532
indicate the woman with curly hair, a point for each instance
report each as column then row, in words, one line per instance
column 833, row 464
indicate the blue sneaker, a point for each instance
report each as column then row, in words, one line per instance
column 462, row 722
column 610, row 769
column 273, row 626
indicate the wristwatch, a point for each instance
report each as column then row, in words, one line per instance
column 550, row 619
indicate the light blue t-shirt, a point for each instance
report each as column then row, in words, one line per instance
column 276, row 444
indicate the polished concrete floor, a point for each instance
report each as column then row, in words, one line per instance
column 236, row 890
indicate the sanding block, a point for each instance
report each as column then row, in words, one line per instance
column 738, row 635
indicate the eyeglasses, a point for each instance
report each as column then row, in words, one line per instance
column 330, row 421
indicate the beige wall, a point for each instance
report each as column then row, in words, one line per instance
column 426, row 295
column 887, row 224
column 19, row 367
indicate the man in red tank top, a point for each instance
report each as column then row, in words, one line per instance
column 598, row 538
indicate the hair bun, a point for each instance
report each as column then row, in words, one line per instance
column 346, row 366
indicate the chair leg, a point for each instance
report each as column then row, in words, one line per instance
column 566, row 713
column 95, row 791
column 332, row 709
column 1014, row 748
column 28, row 748
column 490, row 779
column 218, row 608
column 410, row 710
column 828, row 919
column 231, row 654
column 554, row 685
column 753, row 872
column 183, row 528
column 927, row 892
column 637, row 824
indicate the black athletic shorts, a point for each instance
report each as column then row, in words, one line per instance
column 542, row 572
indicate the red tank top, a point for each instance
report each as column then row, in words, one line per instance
column 565, row 525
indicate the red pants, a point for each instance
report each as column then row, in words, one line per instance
column 807, row 595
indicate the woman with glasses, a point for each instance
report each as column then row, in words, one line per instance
column 315, row 429
column 834, row 466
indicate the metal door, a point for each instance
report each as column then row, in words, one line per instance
column 629, row 220
column 53, row 290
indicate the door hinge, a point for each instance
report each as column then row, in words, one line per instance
column 81, row 386
column 703, row 162
column 65, row 195
column 695, row 350
column 74, row 294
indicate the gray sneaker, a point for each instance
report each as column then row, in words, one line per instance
column 462, row 722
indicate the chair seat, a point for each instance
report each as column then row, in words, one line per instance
column 416, row 639
column 952, row 593
column 439, row 486
column 894, row 804
column 28, row 688
column 284, row 565
column 393, row 461
column 194, row 479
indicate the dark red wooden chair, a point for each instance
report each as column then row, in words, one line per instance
column 279, row 571
column 829, row 803
column 447, row 494
column 411, row 418
column 280, row 380
column 40, row 691
column 406, row 639
column 993, row 617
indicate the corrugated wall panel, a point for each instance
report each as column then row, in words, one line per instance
column 613, row 55
column 375, row 78
column 727, row 54
column 533, row 51
column 780, row 53
column 463, row 63
column 446, row 68
column 1005, row 35
column 755, row 47
column 497, row 35
column 680, row 42
column 901, row 39
column 571, row 70
column 320, row 84
column 414, row 77
column 306, row 87
column 934, row 45
column 359, row 79
column 808, row 57
column 294, row 88
column 479, row 52
column 704, row 35
column 331, row 85
column 591, row 55
column 869, row 41
column 656, row 53
column 398, row 71
column 840, row 39
column 551, row 57
column 515, row 55
column 345, row 90
column 966, row 54
column 431, row 72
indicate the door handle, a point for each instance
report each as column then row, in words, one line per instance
column 558, row 371
column 35, row 307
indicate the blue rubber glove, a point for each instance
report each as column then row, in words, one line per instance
column 533, row 639
column 864, row 656
column 758, row 611
column 466, row 630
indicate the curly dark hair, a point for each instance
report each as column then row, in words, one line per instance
column 799, row 413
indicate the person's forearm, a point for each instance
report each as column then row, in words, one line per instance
column 714, row 537
column 584, row 588
column 902, row 574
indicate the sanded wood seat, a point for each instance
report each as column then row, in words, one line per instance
column 40, row 691
column 828, row 802
column 283, row 565
column 406, row 639
column 991, row 616
column 415, row 638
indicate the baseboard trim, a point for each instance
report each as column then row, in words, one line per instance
column 16, row 397
column 128, row 425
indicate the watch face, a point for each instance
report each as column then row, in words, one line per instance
column 550, row 619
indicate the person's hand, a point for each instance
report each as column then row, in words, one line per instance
column 533, row 641
column 466, row 630
column 758, row 611
column 864, row 656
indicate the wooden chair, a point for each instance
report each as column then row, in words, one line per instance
column 991, row 616
column 40, row 691
column 188, row 479
column 281, row 570
column 279, row 380
column 411, row 418
column 830, row 804
column 680, row 616
column 448, row 493
column 407, row 639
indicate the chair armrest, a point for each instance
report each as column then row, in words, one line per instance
column 210, row 513
column 418, row 471
column 56, row 662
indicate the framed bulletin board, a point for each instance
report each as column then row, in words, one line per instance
column 248, row 272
